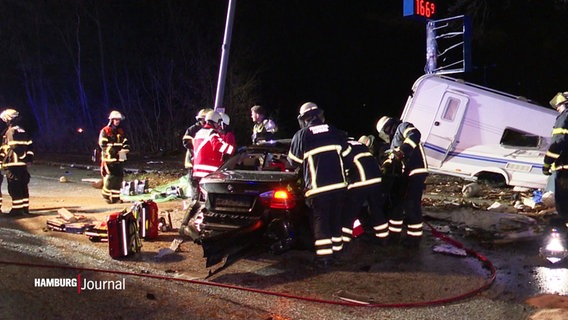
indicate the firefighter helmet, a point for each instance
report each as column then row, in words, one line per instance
column 9, row 115
column 309, row 111
column 367, row 140
column 213, row 116
column 115, row 115
column 386, row 127
column 202, row 113
column 559, row 99
column 226, row 119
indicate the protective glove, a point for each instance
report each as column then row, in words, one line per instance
column 398, row 154
column 546, row 169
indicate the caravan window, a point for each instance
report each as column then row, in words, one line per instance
column 451, row 109
column 516, row 138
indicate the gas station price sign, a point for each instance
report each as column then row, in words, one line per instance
column 419, row 9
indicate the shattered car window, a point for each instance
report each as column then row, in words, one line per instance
column 259, row 161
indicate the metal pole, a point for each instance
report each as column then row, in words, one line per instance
column 225, row 55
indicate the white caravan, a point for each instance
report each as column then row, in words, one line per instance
column 473, row 131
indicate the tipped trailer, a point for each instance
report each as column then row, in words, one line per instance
column 475, row 132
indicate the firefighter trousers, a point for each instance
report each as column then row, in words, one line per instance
column 409, row 208
column 356, row 198
column 561, row 194
column 112, row 182
column 325, row 220
column 18, row 179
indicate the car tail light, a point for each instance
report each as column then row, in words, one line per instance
column 278, row 199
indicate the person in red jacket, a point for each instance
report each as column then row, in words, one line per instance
column 209, row 147
column 226, row 131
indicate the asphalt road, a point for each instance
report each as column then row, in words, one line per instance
column 399, row 284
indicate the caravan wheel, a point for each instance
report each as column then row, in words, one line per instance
column 492, row 179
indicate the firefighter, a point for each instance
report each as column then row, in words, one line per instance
column 406, row 149
column 114, row 147
column 556, row 160
column 364, row 177
column 228, row 135
column 16, row 154
column 319, row 149
column 187, row 141
column 209, row 147
column 264, row 128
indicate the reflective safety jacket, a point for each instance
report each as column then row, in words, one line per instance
column 112, row 140
column 407, row 139
column 362, row 167
column 187, row 141
column 557, row 154
column 320, row 149
column 16, row 148
column 208, row 150
column 263, row 131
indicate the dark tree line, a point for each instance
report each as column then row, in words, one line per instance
column 66, row 64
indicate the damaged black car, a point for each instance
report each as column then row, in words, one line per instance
column 255, row 199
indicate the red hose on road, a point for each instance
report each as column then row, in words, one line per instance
column 486, row 263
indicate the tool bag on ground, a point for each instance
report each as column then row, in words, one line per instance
column 146, row 213
column 123, row 238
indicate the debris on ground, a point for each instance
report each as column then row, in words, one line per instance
column 449, row 249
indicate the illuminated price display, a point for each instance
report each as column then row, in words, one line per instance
column 419, row 8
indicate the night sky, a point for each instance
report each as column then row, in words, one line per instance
column 67, row 63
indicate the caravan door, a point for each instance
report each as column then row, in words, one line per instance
column 442, row 137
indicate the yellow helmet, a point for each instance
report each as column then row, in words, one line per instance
column 559, row 99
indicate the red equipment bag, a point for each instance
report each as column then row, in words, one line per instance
column 146, row 212
column 123, row 239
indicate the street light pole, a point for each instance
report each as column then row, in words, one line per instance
column 225, row 56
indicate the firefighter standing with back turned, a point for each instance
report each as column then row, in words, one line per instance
column 405, row 147
column 16, row 154
column 319, row 148
column 114, row 147
column 364, row 177
column 187, row 141
column 556, row 160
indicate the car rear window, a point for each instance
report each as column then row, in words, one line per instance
column 259, row 161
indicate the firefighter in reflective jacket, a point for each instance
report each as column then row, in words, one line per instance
column 187, row 141
column 209, row 147
column 114, row 147
column 405, row 147
column 364, row 177
column 319, row 148
column 556, row 160
column 16, row 154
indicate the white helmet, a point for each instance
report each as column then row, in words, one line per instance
column 213, row 116
column 385, row 127
column 202, row 113
column 115, row 115
column 226, row 119
column 9, row 115
column 307, row 107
